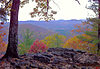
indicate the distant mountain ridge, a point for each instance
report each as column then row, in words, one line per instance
column 43, row 28
column 61, row 26
column 53, row 21
column 38, row 32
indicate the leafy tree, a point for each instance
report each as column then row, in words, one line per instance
column 96, row 8
column 13, row 31
column 76, row 43
column 90, row 32
column 5, row 7
column 26, row 41
column 54, row 40
column 42, row 10
column 94, row 23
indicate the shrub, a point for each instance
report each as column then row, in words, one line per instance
column 25, row 41
column 76, row 43
column 55, row 40
column 38, row 46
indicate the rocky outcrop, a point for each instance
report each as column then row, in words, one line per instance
column 54, row 58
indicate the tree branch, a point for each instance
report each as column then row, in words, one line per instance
column 78, row 1
column 47, row 5
column 8, row 2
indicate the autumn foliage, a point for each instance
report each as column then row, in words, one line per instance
column 84, row 26
column 77, row 43
column 38, row 46
column 55, row 40
column 88, row 37
column 2, row 36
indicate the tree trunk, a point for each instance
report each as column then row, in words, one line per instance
column 13, row 31
column 99, row 37
column 99, row 28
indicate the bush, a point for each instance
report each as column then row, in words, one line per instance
column 76, row 43
column 55, row 40
column 26, row 41
column 38, row 46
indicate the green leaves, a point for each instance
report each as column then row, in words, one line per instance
column 96, row 41
column 26, row 41
column 54, row 40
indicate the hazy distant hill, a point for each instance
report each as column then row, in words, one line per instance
column 42, row 29
column 61, row 26
column 39, row 32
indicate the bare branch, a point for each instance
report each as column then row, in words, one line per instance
column 78, row 2
column 47, row 5
column 8, row 2
column 56, row 4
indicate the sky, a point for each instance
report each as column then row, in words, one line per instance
column 66, row 10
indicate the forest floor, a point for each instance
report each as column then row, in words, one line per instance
column 54, row 58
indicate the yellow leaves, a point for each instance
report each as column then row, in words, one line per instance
column 84, row 35
column 54, row 40
column 10, row 4
column 3, row 47
column 87, row 36
column 3, row 1
column 76, row 43
column 3, row 44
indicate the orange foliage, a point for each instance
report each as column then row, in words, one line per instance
column 87, row 36
column 76, row 43
column 2, row 42
column 81, row 27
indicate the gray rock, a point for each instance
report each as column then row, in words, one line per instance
column 47, row 55
column 33, row 66
column 41, row 58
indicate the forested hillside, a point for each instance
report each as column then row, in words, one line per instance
column 48, row 40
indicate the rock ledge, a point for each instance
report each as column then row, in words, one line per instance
column 54, row 58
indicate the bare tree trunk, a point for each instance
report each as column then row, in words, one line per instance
column 99, row 28
column 13, row 31
column 99, row 37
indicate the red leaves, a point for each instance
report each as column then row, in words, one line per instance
column 38, row 46
column 2, row 23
